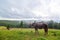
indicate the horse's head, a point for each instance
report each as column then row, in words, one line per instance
column 32, row 25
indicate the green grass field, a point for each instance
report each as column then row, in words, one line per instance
column 28, row 34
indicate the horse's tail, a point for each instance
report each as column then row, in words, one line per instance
column 46, row 28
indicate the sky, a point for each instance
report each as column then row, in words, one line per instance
column 30, row 9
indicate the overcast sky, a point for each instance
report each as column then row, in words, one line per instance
column 35, row 9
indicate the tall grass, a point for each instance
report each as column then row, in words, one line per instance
column 28, row 34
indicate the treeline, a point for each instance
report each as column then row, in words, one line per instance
column 23, row 24
column 14, row 24
column 53, row 25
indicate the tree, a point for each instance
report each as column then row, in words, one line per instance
column 21, row 24
column 8, row 26
column 51, row 24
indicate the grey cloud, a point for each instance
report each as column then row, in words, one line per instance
column 19, row 4
column 22, row 8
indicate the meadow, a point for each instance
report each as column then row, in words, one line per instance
column 28, row 34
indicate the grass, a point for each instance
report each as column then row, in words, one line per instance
column 28, row 34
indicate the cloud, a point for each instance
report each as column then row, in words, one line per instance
column 48, row 8
column 40, row 9
column 16, row 9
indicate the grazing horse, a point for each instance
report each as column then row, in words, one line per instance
column 40, row 25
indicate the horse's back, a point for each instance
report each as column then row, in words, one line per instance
column 41, row 25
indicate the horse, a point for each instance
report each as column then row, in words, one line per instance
column 40, row 25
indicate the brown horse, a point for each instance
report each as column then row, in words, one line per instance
column 40, row 25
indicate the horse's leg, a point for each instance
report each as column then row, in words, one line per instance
column 36, row 31
column 46, row 31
